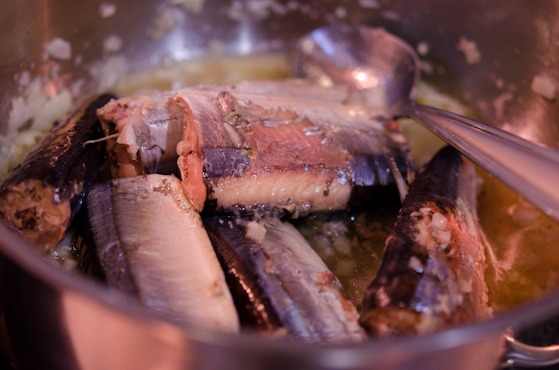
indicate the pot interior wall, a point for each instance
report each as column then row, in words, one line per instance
column 513, row 38
column 517, row 39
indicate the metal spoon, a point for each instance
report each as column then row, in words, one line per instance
column 381, row 70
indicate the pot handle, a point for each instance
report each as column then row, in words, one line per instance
column 524, row 355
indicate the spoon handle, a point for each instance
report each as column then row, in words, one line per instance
column 529, row 169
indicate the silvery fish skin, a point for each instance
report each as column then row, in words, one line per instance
column 296, row 146
column 41, row 195
column 151, row 242
column 432, row 272
column 280, row 284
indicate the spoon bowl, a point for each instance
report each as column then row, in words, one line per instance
column 382, row 70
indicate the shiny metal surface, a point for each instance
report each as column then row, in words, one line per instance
column 51, row 318
column 531, row 170
column 382, row 70
column 522, row 354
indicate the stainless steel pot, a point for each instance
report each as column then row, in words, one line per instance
column 53, row 319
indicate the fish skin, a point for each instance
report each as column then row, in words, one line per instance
column 107, row 246
column 43, row 193
column 432, row 272
column 242, row 261
column 146, row 226
column 281, row 283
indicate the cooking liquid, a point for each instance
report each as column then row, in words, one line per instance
column 521, row 241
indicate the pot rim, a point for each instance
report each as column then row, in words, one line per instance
column 34, row 263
